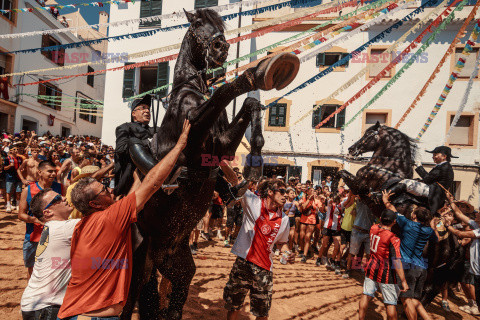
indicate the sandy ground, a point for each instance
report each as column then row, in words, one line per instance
column 301, row 291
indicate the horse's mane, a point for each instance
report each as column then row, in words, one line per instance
column 213, row 17
column 409, row 141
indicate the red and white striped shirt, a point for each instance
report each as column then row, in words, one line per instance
column 260, row 230
column 333, row 219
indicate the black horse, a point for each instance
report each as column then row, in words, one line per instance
column 168, row 220
column 392, row 160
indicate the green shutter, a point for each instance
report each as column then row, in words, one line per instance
column 148, row 9
column 340, row 118
column 128, row 82
column 343, row 56
column 320, row 59
column 162, row 77
column 282, row 114
column 205, row 3
column 316, row 116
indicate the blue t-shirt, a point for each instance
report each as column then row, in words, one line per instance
column 413, row 240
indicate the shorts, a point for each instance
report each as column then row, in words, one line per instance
column 415, row 277
column 234, row 217
column 48, row 313
column 467, row 277
column 246, row 276
column 330, row 232
column 291, row 220
column 29, row 249
column 13, row 186
column 217, row 211
column 357, row 239
column 345, row 236
column 309, row 219
column 389, row 291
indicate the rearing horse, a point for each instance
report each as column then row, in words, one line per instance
column 393, row 158
column 168, row 220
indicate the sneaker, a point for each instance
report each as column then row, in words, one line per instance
column 226, row 243
column 219, row 235
column 330, row 265
column 445, row 306
column 338, row 270
column 473, row 310
column 277, row 252
column 9, row 209
column 304, row 259
column 16, row 208
column 465, row 308
column 346, row 275
column 193, row 250
column 324, row 261
column 319, row 262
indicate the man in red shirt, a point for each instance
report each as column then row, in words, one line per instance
column 101, row 254
column 379, row 271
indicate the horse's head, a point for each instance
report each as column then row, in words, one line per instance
column 206, row 37
column 369, row 142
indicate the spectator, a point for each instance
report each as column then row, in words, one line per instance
column 97, row 292
column 13, row 182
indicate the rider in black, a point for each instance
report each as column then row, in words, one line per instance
column 441, row 174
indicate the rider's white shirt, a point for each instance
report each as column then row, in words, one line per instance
column 475, row 249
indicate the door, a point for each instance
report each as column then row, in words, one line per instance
column 29, row 125
column 65, row 131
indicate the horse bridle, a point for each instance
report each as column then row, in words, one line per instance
column 206, row 44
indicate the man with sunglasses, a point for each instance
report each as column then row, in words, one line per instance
column 264, row 225
column 47, row 175
column 101, row 250
column 46, row 288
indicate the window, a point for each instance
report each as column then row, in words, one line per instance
column 47, row 89
column 377, row 60
column 371, row 117
column 6, row 65
column 205, row 3
column 326, row 59
column 322, row 112
column 277, row 115
column 463, row 133
column 90, row 76
column 128, row 82
column 88, row 111
column 152, row 77
column 469, row 63
column 54, row 56
column 7, row 5
column 149, row 9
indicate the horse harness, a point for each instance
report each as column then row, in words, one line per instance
column 401, row 176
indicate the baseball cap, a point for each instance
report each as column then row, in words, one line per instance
column 388, row 216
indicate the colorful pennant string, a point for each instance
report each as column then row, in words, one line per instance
column 391, row 65
column 410, row 62
column 451, row 80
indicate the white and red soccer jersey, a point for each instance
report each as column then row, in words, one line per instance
column 260, row 230
column 333, row 217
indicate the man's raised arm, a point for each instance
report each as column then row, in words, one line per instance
column 157, row 175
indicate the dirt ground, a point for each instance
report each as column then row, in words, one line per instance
column 301, row 291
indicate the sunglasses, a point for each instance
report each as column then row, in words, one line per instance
column 103, row 190
column 55, row 200
column 282, row 191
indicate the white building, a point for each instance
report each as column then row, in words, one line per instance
column 25, row 110
column 300, row 149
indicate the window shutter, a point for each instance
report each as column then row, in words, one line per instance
column 316, row 116
column 90, row 78
column 128, row 82
column 320, row 59
column 58, row 104
column 41, row 92
column 148, row 9
column 205, row 3
column 340, row 118
column 162, row 77
column 60, row 57
column 45, row 41
column 343, row 55
column 272, row 116
column 282, row 115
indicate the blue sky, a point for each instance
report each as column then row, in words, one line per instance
column 90, row 13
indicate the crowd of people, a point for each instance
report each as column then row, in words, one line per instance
column 61, row 187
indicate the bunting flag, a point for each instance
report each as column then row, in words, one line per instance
column 473, row 76
column 451, row 80
column 410, row 62
column 174, row 56
column 149, row 33
column 180, row 14
column 63, row 97
column 344, row 60
column 449, row 51
column 391, row 65
column 389, row 50
column 176, row 46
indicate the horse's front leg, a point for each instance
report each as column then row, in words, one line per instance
column 254, row 164
column 350, row 181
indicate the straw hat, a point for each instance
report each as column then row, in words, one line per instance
column 87, row 171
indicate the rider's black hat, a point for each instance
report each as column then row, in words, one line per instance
column 146, row 99
column 443, row 149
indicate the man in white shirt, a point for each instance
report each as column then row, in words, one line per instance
column 264, row 224
column 475, row 244
column 52, row 270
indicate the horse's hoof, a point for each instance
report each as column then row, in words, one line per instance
column 277, row 72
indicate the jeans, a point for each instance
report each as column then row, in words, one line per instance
column 48, row 313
